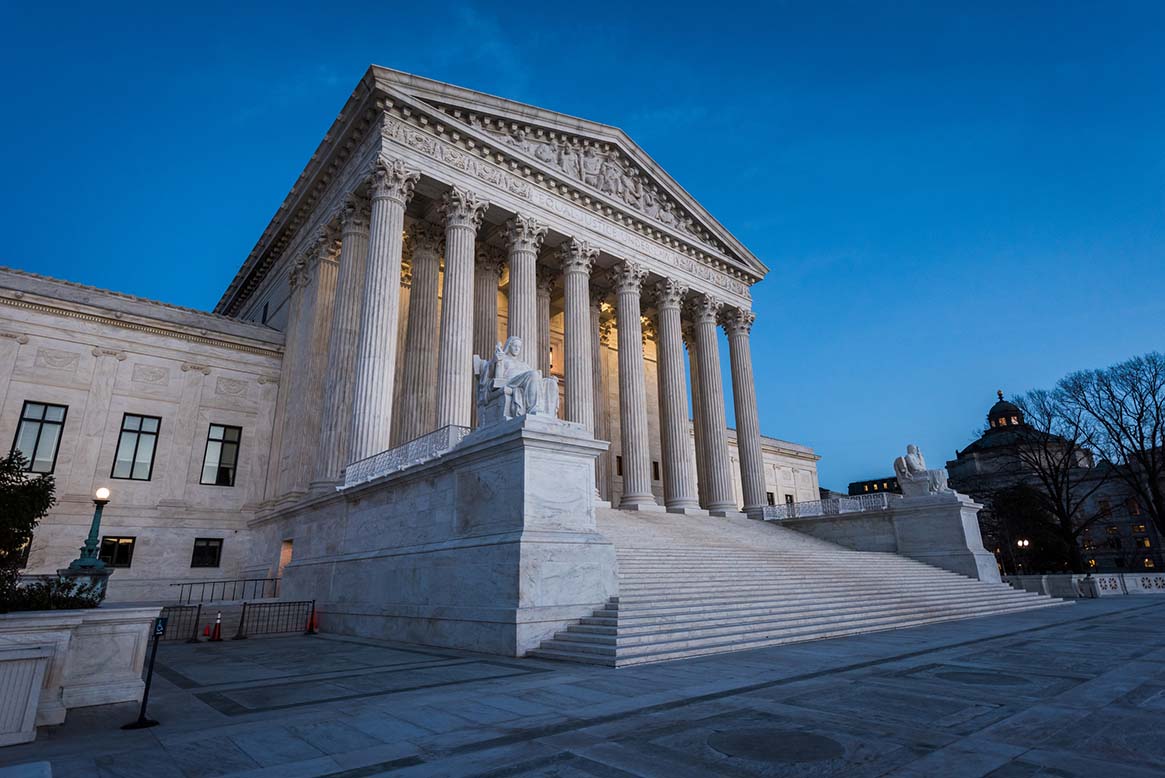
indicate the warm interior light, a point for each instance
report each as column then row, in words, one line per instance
column 102, row 494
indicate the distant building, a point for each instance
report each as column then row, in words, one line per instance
column 1122, row 539
column 887, row 484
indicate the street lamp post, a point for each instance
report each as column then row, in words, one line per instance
column 88, row 569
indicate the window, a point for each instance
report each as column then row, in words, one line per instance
column 1112, row 529
column 655, row 471
column 222, row 455
column 1133, row 507
column 1092, row 563
column 207, row 552
column 117, row 552
column 770, row 498
column 1138, row 528
column 788, row 499
column 1149, row 563
column 618, row 465
column 135, row 447
column 1015, row 421
column 38, row 436
column 1143, row 542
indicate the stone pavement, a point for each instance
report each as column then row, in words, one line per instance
column 1076, row 691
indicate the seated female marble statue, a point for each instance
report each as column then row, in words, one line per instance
column 507, row 380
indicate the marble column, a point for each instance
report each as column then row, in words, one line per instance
column 701, row 453
column 600, row 332
column 371, row 433
column 523, row 239
column 678, row 487
column 546, row 279
column 487, row 273
column 332, row 454
column 406, row 292
column 463, row 211
column 713, row 420
column 577, row 258
column 627, row 279
column 418, row 398
column 738, row 326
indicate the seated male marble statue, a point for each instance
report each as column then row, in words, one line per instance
column 508, row 387
column 915, row 479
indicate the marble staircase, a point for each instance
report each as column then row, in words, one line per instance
column 690, row 586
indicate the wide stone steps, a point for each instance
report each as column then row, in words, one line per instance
column 690, row 588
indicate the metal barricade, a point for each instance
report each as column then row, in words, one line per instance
column 182, row 622
column 273, row 618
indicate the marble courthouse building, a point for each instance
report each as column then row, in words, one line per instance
column 431, row 223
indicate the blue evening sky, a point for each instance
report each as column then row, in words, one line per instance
column 953, row 198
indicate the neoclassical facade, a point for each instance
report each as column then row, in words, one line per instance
column 430, row 224
column 434, row 221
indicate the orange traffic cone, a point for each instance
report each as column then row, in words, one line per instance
column 217, row 635
column 313, row 623
column 206, row 632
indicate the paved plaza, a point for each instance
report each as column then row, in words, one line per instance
column 1076, row 691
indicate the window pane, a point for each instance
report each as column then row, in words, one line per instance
column 26, row 438
column 231, row 433
column 210, row 464
column 216, row 432
column 149, row 425
column 123, row 462
column 54, row 413
column 46, row 449
column 145, row 457
column 131, row 422
column 34, row 411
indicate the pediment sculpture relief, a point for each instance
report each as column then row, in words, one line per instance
column 508, row 387
column 915, row 479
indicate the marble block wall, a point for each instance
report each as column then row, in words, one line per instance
column 491, row 547
column 940, row 530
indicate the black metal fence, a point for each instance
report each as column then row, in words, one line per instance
column 222, row 591
column 272, row 618
column 182, row 622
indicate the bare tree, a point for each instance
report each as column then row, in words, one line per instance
column 1053, row 450
column 1124, row 407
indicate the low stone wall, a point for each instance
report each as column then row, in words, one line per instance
column 492, row 547
column 1071, row 586
column 95, row 655
column 940, row 530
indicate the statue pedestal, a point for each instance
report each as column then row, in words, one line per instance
column 943, row 530
column 490, row 547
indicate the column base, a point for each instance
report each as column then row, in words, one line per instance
column 642, row 504
column 316, row 487
column 602, row 503
column 687, row 510
column 757, row 513
column 730, row 512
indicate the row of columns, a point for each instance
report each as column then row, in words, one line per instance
column 358, row 410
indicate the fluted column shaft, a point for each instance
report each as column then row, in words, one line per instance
column 486, row 276
column 463, row 212
column 628, row 278
column 738, row 326
column 419, row 399
column 392, row 187
column 577, row 258
column 523, row 239
column 713, row 420
column 701, row 453
column 344, row 343
column 599, row 370
column 398, row 400
column 678, row 487
column 545, row 286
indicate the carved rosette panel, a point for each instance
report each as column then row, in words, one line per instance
column 628, row 277
column 525, row 233
column 577, row 256
column 392, row 179
column 230, row 387
column 704, row 308
column 151, row 374
column 57, row 360
column 463, row 208
column 737, row 321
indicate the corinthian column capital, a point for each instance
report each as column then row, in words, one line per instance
column 547, row 277
column 577, row 256
column 488, row 259
column 704, row 308
column 525, row 233
column 670, row 293
column 628, row 277
column 427, row 241
column 354, row 214
column 393, row 180
column 463, row 208
column 737, row 321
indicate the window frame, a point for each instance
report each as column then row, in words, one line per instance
column 41, row 422
column 217, row 557
column 137, row 443
column 133, row 542
column 206, row 450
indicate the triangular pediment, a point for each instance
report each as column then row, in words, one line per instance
column 595, row 157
